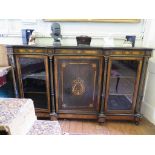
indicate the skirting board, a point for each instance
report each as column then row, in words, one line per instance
column 148, row 111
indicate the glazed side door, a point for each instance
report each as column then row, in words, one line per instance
column 33, row 80
column 122, row 84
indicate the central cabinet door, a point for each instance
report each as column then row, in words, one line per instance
column 78, row 84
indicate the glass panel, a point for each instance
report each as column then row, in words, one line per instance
column 34, row 80
column 119, row 102
column 122, row 82
column 120, row 85
column 40, row 99
column 33, row 74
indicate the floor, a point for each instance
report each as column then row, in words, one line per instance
column 85, row 127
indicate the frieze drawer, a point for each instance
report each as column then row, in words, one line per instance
column 127, row 52
column 79, row 51
column 30, row 50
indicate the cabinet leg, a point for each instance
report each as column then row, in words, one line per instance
column 137, row 122
column 101, row 119
column 137, row 118
column 53, row 117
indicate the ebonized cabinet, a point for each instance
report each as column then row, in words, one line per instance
column 81, row 82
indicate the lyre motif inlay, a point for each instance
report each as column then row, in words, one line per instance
column 78, row 87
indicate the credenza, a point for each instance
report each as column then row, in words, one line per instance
column 81, row 82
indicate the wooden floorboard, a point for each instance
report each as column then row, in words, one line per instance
column 65, row 125
column 76, row 127
column 85, row 127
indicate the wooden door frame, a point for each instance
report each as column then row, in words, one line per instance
column 137, row 81
column 45, row 58
column 57, row 57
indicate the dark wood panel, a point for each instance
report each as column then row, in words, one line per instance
column 78, row 83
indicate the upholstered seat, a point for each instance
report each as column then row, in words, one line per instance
column 17, row 117
column 3, row 73
column 42, row 127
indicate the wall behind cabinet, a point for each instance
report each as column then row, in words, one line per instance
column 10, row 31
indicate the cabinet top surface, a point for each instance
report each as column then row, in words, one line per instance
column 81, row 47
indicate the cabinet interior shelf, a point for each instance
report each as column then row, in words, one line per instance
column 35, row 92
column 131, row 77
column 120, row 94
column 40, row 75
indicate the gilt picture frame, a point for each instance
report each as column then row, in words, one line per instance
column 95, row 20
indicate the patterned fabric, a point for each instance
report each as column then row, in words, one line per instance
column 16, row 115
column 3, row 73
column 9, row 109
column 42, row 127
